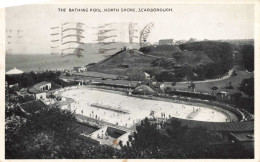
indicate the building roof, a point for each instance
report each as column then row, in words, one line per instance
column 35, row 89
column 77, row 67
column 23, row 91
column 97, row 75
column 81, row 128
column 33, row 106
column 14, row 71
column 38, row 85
column 217, row 126
column 118, row 82
column 144, row 88
column 243, row 137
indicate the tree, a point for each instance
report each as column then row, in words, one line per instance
column 39, row 136
column 146, row 49
column 48, row 134
column 165, row 76
column 176, row 131
column 247, row 86
column 120, row 144
column 28, row 79
column 214, row 88
column 221, row 53
column 248, row 57
column 26, row 98
column 229, row 86
column 167, row 63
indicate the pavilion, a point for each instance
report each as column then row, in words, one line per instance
column 14, row 71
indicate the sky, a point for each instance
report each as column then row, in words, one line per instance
column 211, row 22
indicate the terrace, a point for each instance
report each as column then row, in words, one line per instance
column 216, row 126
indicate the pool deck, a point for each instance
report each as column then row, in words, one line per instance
column 80, row 98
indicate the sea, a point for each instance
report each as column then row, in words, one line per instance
column 40, row 62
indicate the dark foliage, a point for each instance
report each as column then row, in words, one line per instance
column 28, row 79
column 165, row 76
column 214, row 88
column 49, row 135
column 26, row 98
column 248, row 57
column 220, row 52
column 167, row 63
column 247, row 86
column 178, row 142
column 246, row 103
column 147, row 49
column 40, row 135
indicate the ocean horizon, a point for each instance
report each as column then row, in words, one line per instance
column 38, row 62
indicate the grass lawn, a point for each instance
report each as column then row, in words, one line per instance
column 206, row 86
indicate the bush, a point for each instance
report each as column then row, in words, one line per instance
column 28, row 79
column 26, row 98
column 248, row 57
column 165, row 76
column 214, row 88
column 247, row 86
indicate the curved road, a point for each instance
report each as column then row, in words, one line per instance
column 211, row 80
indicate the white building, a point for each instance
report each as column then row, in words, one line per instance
column 14, row 71
column 39, row 90
column 80, row 69
column 166, row 42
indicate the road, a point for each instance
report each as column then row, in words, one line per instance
column 212, row 80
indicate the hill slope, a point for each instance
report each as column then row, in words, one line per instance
column 196, row 61
column 127, row 62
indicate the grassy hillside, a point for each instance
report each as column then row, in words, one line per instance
column 182, row 57
column 128, row 62
column 163, row 50
column 193, row 58
column 206, row 59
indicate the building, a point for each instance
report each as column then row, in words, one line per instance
column 166, row 42
column 238, row 133
column 14, row 71
column 80, row 69
column 162, row 87
column 43, row 86
column 180, row 42
column 97, row 75
column 23, row 92
column 106, row 135
column 243, row 139
column 110, row 136
column 39, row 90
column 143, row 90
column 147, row 76
column 32, row 106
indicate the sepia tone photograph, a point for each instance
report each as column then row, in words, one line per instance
column 129, row 81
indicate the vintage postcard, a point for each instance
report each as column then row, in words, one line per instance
column 130, row 80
